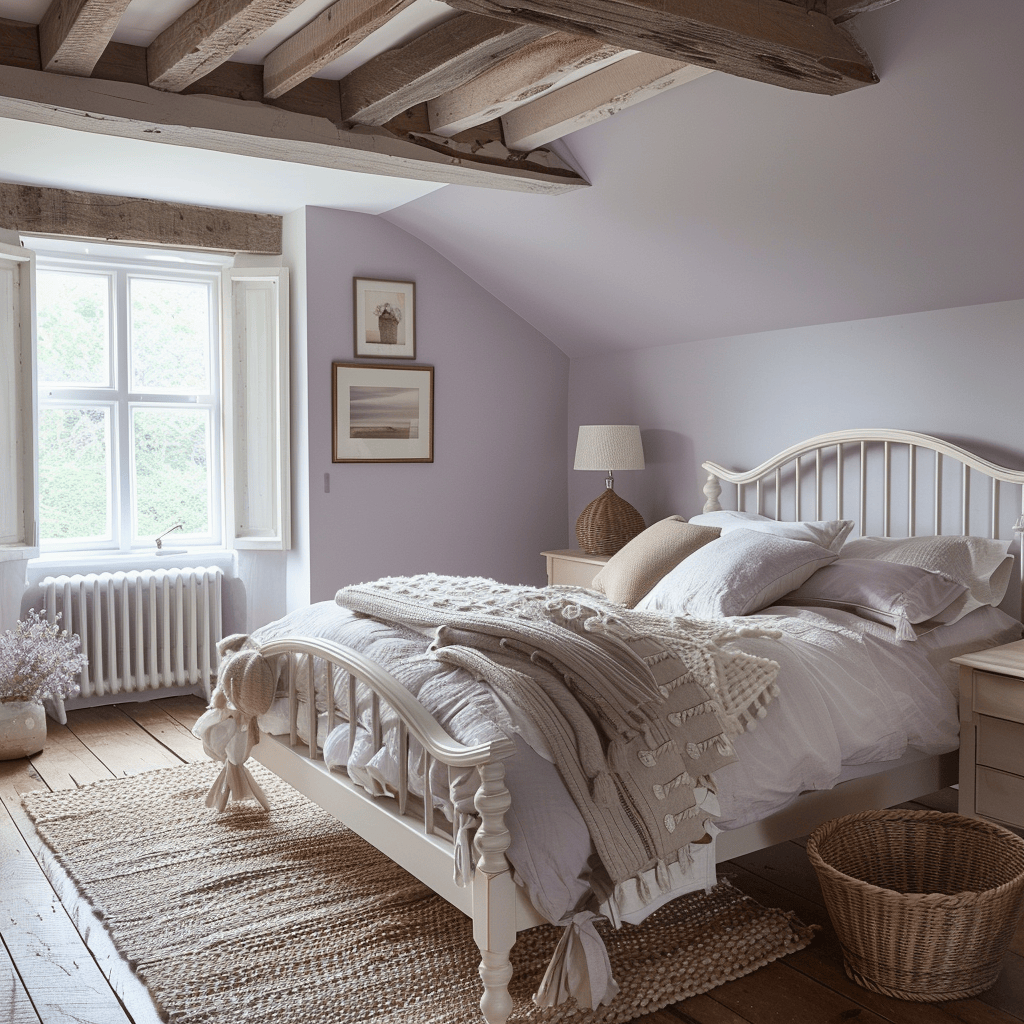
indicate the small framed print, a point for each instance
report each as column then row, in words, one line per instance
column 382, row 413
column 385, row 313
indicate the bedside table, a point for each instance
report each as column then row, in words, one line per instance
column 992, row 734
column 573, row 567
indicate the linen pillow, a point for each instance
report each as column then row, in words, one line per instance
column 827, row 533
column 886, row 592
column 634, row 569
column 740, row 573
column 983, row 566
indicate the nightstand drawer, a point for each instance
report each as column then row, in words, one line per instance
column 573, row 574
column 1000, row 795
column 999, row 696
column 1000, row 745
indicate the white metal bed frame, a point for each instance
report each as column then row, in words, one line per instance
column 424, row 847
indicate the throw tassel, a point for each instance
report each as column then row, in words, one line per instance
column 235, row 782
column 604, row 791
column 230, row 732
column 579, row 967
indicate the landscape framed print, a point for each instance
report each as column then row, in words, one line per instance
column 382, row 413
column 385, row 315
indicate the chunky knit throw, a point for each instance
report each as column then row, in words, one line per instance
column 636, row 709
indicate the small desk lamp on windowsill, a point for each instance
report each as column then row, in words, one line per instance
column 609, row 521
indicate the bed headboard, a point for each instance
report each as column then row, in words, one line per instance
column 892, row 483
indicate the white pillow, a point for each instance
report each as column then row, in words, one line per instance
column 983, row 566
column 827, row 534
column 738, row 574
column 895, row 595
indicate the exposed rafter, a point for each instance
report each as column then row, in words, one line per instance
column 334, row 32
column 259, row 130
column 531, row 70
column 56, row 211
column 74, row 33
column 594, row 98
column 766, row 40
column 843, row 10
column 431, row 64
column 206, row 35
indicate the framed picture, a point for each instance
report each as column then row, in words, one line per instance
column 385, row 319
column 383, row 413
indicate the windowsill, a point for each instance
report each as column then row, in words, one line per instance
column 68, row 563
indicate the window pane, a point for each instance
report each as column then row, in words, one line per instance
column 171, row 453
column 170, row 336
column 74, row 473
column 73, row 328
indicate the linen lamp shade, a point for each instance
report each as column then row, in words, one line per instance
column 609, row 521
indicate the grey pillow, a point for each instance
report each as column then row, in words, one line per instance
column 634, row 569
column 896, row 595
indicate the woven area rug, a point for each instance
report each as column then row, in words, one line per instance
column 257, row 918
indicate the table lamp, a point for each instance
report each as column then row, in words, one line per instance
column 609, row 521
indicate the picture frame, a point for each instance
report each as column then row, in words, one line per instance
column 382, row 413
column 385, row 318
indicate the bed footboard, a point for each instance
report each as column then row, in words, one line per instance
column 389, row 824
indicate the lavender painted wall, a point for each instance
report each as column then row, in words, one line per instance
column 955, row 373
column 495, row 494
column 727, row 207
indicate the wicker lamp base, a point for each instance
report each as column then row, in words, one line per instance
column 607, row 524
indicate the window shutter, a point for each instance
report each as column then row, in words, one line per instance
column 19, row 492
column 256, row 408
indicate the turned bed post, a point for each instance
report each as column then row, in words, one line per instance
column 494, row 902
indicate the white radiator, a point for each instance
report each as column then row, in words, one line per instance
column 141, row 630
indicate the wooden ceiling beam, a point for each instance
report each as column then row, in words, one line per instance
column 326, row 38
column 433, row 63
column 260, row 130
column 765, row 40
column 593, row 98
column 206, row 35
column 843, row 10
column 74, row 33
column 85, row 215
column 533, row 69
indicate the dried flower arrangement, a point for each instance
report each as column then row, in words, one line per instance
column 38, row 661
column 388, row 309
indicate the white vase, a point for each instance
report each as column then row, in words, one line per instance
column 22, row 728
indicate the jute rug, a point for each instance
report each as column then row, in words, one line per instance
column 287, row 916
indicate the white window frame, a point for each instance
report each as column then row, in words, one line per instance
column 19, row 508
column 123, row 265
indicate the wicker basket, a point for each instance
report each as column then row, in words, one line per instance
column 924, row 903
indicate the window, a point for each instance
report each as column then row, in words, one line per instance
column 125, row 409
column 128, row 357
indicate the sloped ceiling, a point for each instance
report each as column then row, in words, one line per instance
column 730, row 207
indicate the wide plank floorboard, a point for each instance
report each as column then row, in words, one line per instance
column 96, row 985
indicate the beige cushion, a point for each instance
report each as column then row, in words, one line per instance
column 634, row 569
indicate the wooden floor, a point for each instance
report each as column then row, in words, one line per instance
column 58, row 967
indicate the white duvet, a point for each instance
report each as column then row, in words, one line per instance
column 851, row 694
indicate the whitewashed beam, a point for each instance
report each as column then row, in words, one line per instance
column 766, row 40
column 843, row 10
column 531, row 70
column 206, row 35
column 332, row 33
column 56, row 211
column 74, row 33
column 440, row 59
column 254, row 129
column 594, row 98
